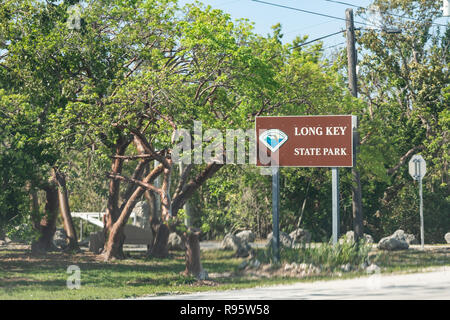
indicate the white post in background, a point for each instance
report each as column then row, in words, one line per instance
column 422, row 231
column 417, row 170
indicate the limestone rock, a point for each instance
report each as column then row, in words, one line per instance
column 300, row 236
column 447, row 237
column 244, row 250
column 60, row 238
column 346, row 267
column 373, row 268
column 408, row 237
column 96, row 242
column 396, row 241
column 142, row 212
column 246, row 236
column 285, row 240
column 175, row 242
column 411, row 239
column 349, row 237
column 232, row 242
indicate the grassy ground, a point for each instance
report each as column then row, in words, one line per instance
column 23, row 276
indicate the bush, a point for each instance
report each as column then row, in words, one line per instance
column 326, row 255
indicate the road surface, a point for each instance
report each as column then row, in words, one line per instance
column 430, row 285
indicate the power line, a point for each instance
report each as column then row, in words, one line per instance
column 345, row 3
column 327, row 36
column 334, row 45
column 392, row 14
column 310, row 12
column 306, row 28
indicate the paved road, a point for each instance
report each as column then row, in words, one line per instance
column 433, row 285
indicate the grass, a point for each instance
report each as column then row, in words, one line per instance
column 412, row 259
column 23, row 276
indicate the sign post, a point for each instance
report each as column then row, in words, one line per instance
column 276, row 213
column 417, row 169
column 335, row 203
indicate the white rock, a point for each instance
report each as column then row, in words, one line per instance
column 246, row 236
column 60, row 238
column 175, row 242
column 142, row 213
column 303, row 266
column 300, row 236
column 349, row 237
column 346, row 267
column 396, row 241
column 373, row 268
column 285, row 240
column 287, row 267
column 447, row 237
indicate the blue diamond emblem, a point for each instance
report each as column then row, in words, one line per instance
column 273, row 139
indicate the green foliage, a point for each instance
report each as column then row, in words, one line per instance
column 68, row 97
column 404, row 79
column 326, row 255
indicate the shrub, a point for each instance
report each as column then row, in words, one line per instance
column 326, row 255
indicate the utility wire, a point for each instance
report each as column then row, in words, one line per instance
column 310, row 12
column 308, row 42
column 319, row 14
column 392, row 14
column 334, row 45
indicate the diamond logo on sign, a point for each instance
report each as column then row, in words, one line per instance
column 273, row 139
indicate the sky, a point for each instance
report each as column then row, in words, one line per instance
column 293, row 22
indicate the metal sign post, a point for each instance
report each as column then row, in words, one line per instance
column 422, row 231
column 417, row 170
column 276, row 213
column 335, row 203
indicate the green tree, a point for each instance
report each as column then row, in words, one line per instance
column 404, row 79
column 33, row 70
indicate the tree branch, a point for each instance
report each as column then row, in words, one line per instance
column 193, row 185
column 403, row 159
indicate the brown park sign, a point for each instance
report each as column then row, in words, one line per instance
column 305, row 141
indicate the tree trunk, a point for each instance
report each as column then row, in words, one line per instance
column 357, row 211
column 65, row 212
column 357, row 205
column 112, row 209
column 160, row 247
column 113, row 248
column 166, row 203
column 151, row 200
column 47, row 225
column 115, row 238
column 192, row 256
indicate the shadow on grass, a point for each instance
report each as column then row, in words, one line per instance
column 413, row 258
column 20, row 270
